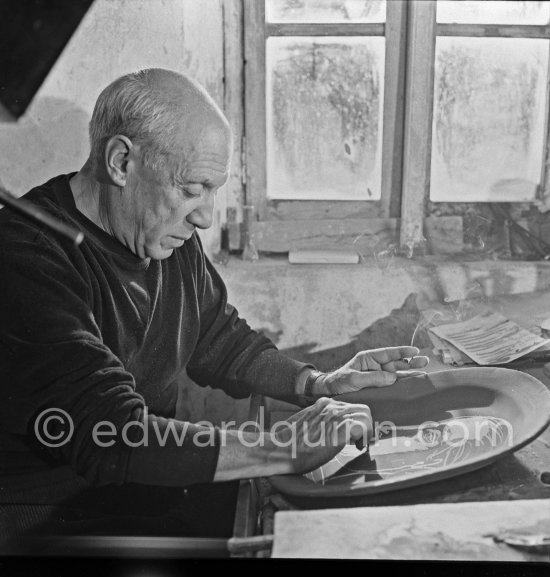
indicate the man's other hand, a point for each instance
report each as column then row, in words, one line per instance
column 372, row 368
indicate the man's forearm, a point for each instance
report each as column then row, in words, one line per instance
column 248, row 454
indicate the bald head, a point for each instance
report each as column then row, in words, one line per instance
column 158, row 109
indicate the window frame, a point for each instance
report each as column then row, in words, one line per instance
column 421, row 48
column 268, row 219
column 404, row 217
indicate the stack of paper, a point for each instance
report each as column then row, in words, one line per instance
column 448, row 353
column 489, row 338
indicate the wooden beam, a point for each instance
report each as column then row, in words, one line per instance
column 394, row 108
column 281, row 236
column 368, row 237
column 234, row 110
column 493, row 30
column 255, row 117
column 311, row 29
column 543, row 192
column 322, row 209
column 246, row 513
column 418, row 123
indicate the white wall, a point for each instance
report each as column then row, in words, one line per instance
column 115, row 37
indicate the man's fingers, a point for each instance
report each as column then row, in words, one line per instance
column 388, row 354
column 405, row 364
column 393, row 366
column 418, row 362
column 362, row 379
column 412, row 373
column 373, row 359
column 340, row 410
column 361, row 429
column 314, row 414
column 355, row 424
column 337, row 421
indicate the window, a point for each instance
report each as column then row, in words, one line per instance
column 491, row 84
column 361, row 116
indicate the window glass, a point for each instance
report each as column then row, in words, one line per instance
column 326, row 11
column 324, row 117
column 493, row 12
column 489, row 118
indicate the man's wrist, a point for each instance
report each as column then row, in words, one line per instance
column 315, row 385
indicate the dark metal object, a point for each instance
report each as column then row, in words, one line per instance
column 28, row 209
column 535, row 543
column 136, row 547
column 33, row 34
column 117, row 546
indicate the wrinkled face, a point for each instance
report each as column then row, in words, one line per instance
column 159, row 211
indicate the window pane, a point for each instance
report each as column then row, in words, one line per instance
column 324, row 117
column 490, row 12
column 325, row 11
column 489, row 119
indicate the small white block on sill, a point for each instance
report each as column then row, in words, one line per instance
column 322, row 256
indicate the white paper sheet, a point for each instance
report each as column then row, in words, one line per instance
column 490, row 338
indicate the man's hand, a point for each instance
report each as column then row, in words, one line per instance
column 374, row 368
column 305, row 441
column 317, row 433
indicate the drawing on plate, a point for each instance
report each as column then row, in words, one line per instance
column 415, row 450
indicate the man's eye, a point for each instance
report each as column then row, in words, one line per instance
column 192, row 191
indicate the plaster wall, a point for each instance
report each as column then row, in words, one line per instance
column 329, row 305
column 326, row 313
column 114, row 38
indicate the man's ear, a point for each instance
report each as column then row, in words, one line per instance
column 117, row 150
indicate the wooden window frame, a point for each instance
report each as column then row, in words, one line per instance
column 277, row 225
column 422, row 36
column 401, row 218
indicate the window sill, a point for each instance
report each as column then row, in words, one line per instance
column 450, row 276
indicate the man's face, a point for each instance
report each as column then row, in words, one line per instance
column 159, row 211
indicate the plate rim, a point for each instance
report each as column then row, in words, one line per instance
column 298, row 485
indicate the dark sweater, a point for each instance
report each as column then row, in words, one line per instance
column 103, row 334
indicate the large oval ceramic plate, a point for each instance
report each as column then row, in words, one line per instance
column 433, row 427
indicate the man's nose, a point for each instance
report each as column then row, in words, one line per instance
column 203, row 215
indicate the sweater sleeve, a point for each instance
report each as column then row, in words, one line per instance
column 232, row 356
column 52, row 358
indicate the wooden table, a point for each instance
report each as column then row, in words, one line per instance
column 518, row 476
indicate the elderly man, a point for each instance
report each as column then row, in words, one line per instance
column 94, row 337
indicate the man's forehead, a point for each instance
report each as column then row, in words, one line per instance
column 207, row 167
column 210, row 173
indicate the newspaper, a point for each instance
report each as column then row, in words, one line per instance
column 490, row 338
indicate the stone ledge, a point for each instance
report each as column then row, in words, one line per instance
column 452, row 278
